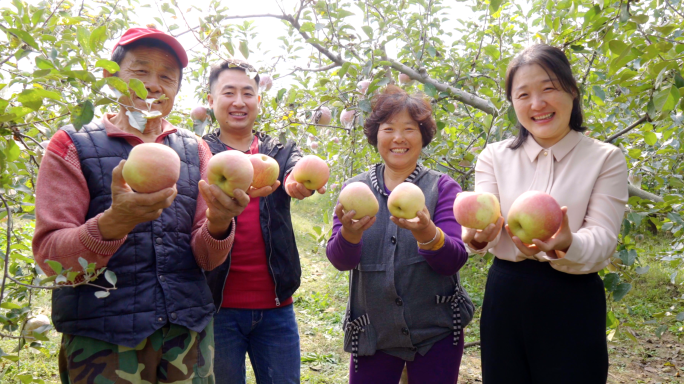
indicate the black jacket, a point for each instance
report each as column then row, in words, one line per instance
column 276, row 224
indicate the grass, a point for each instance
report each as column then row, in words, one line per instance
column 321, row 301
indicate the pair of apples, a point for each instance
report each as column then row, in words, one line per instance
column 151, row 167
column 533, row 215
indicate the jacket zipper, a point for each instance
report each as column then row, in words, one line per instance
column 270, row 242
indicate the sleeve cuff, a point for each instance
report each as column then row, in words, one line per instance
column 346, row 243
column 91, row 238
column 215, row 243
column 574, row 252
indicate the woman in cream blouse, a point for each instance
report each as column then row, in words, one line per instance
column 544, row 311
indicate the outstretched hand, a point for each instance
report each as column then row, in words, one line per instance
column 221, row 208
column 298, row 190
column 555, row 247
column 478, row 238
column 263, row 191
column 352, row 230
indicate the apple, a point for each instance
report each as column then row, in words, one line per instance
column 265, row 82
column 322, row 116
column 347, row 117
column 36, row 322
column 406, row 200
column 231, row 170
column 199, row 113
column 357, row 196
column 314, row 145
column 404, row 78
column 534, row 215
column 334, row 186
column 151, row 167
column 363, row 86
column 336, row 140
column 312, row 171
column 266, row 170
column 476, row 209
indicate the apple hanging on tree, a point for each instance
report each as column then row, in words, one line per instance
column 347, row 117
column 151, row 167
column 363, row 86
column 265, row 82
column 322, row 116
column 404, row 78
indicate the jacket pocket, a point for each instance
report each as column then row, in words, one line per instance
column 365, row 334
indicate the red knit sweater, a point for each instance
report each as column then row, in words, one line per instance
column 249, row 284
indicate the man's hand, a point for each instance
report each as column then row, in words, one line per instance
column 129, row 208
column 221, row 208
column 478, row 238
column 352, row 230
column 263, row 191
column 560, row 241
column 298, row 190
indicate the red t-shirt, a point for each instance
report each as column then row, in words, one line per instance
column 249, row 284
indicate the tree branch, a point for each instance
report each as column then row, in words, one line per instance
column 632, row 126
column 473, row 344
column 7, row 247
column 634, row 191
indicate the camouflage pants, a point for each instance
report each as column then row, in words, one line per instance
column 173, row 354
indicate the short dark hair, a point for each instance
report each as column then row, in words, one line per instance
column 231, row 64
column 121, row 51
column 553, row 61
column 394, row 100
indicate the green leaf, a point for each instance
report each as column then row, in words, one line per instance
column 611, row 321
column 138, row 87
column 660, row 98
column 680, row 316
column 368, row 31
column 621, row 291
column 610, row 281
column 82, row 114
column 344, row 69
column 244, row 49
column 44, row 64
column 308, row 27
column 430, row 90
column 110, row 66
column 640, row 19
column 661, row 330
column 83, row 37
column 97, row 38
column 101, row 294
column 118, row 84
column 642, row 270
column 31, row 99
column 25, row 36
column 494, row 5
column 650, row 138
column 71, row 276
column 12, row 151
column 55, row 265
column 628, row 256
column 678, row 80
column 624, row 12
column 111, row 277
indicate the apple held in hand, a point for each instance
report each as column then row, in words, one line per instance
column 266, row 170
column 476, row 209
column 534, row 215
column 151, row 167
column 231, row 170
column 357, row 196
column 311, row 171
column 405, row 201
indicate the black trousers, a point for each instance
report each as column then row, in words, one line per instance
column 542, row 326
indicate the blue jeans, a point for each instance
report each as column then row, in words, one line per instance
column 270, row 337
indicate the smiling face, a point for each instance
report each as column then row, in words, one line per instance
column 235, row 100
column 158, row 69
column 541, row 104
column 400, row 141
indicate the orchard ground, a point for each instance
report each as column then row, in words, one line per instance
column 320, row 305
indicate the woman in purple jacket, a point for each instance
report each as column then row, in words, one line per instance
column 403, row 307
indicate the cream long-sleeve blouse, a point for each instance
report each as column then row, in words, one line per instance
column 586, row 175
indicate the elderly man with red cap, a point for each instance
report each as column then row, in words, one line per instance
column 156, row 326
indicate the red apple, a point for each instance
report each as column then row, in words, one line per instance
column 266, row 170
column 199, row 113
column 265, row 82
column 314, row 145
column 406, row 200
column 322, row 116
column 336, row 140
column 347, row 117
column 312, row 171
column 357, row 196
column 231, row 170
column 404, row 78
column 476, row 209
column 534, row 215
column 151, row 167
column 363, row 86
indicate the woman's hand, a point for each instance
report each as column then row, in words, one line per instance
column 352, row 230
column 478, row 238
column 560, row 242
column 423, row 229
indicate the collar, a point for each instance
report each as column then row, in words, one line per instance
column 379, row 181
column 114, row 131
column 559, row 150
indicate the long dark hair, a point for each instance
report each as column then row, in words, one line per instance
column 554, row 61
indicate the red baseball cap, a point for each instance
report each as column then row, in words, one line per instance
column 134, row 34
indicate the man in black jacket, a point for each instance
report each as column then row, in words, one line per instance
column 253, row 289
